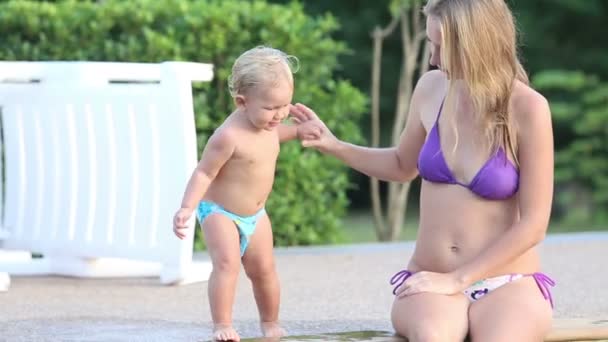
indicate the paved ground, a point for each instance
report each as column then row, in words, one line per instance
column 325, row 290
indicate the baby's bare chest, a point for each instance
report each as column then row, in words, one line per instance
column 256, row 154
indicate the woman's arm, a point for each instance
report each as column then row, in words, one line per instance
column 397, row 163
column 386, row 164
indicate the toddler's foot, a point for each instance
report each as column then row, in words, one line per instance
column 272, row 329
column 225, row 332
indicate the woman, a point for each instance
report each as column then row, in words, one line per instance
column 482, row 141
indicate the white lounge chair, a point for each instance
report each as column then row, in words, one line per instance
column 95, row 159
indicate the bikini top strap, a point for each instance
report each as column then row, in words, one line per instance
column 440, row 110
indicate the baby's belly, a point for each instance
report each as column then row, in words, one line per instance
column 242, row 196
column 456, row 226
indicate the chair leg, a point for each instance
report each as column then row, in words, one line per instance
column 5, row 281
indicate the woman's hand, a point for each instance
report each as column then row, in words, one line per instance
column 440, row 283
column 315, row 132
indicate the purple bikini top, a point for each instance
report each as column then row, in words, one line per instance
column 497, row 179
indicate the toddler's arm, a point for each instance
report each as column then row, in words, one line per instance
column 287, row 132
column 218, row 150
column 307, row 130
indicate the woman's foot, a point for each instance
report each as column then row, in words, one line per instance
column 272, row 329
column 225, row 332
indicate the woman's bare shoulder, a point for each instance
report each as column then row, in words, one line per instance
column 430, row 89
column 432, row 81
column 528, row 105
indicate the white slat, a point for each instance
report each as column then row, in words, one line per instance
column 3, row 232
column 15, row 167
column 95, row 166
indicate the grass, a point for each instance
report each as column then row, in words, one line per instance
column 359, row 228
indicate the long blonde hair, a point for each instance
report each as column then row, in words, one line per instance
column 479, row 47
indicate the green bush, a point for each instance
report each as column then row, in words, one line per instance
column 579, row 105
column 309, row 197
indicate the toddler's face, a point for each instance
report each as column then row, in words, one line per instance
column 268, row 106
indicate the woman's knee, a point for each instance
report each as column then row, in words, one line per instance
column 433, row 331
column 429, row 317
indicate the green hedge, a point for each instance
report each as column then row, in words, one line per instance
column 309, row 197
column 580, row 115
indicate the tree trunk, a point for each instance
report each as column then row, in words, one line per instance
column 382, row 231
column 388, row 225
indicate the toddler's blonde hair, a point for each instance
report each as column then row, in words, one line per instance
column 260, row 65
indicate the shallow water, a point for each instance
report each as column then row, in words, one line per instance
column 368, row 336
column 87, row 329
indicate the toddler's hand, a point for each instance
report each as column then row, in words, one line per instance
column 318, row 135
column 309, row 130
column 180, row 222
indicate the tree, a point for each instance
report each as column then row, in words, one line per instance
column 217, row 32
column 580, row 113
column 415, row 54
column 563, row 34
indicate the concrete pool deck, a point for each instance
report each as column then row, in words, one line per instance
column 324, row 290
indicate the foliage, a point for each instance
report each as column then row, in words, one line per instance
column 563, row 34
column 408, row 18
column 580, row 111
column 309, row 195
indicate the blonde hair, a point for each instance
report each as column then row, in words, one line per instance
column 259, row 66
column 479, row 47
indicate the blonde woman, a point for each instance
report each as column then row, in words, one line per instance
column 482, row 141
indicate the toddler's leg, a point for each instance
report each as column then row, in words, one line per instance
column 222, row 240
column 259, row 266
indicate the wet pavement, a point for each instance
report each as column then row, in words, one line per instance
column 91, row 329
column 325, row 291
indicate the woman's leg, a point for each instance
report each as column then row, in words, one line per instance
column 258, row 261
column 222, row 240
column 516, row 311
column 431, row 317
